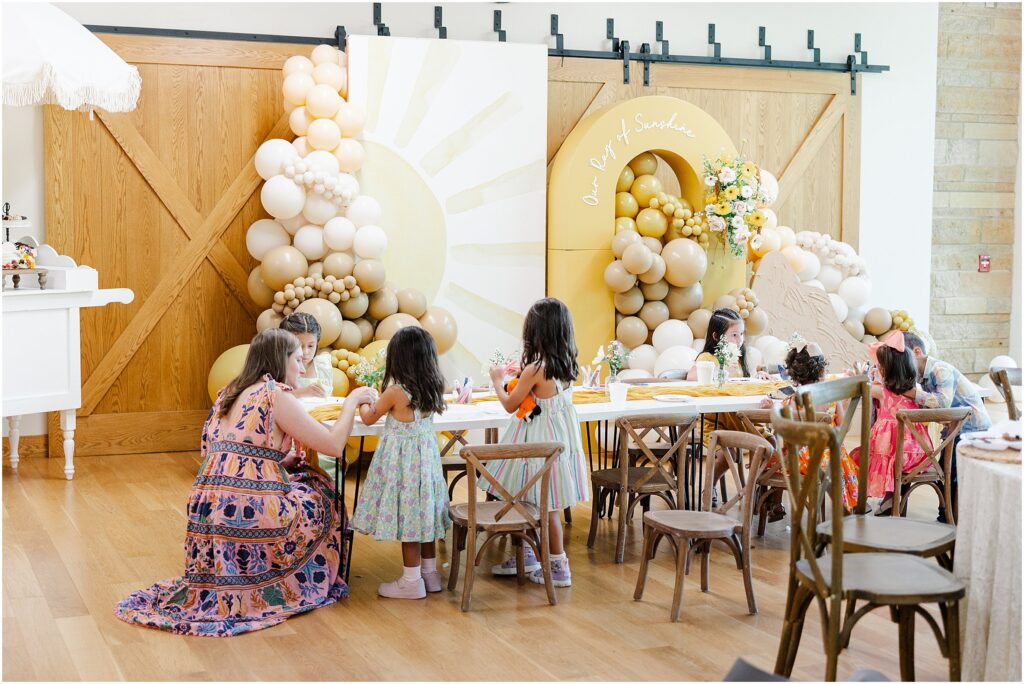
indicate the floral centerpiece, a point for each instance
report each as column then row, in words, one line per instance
column 508, row 363
column 726, row 353
column 616, row 358
column 733, row 199
column 370, row 372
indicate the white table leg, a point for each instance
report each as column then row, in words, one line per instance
column 14, row 436
column 67, row 426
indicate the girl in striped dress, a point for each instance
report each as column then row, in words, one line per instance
column 548, row 369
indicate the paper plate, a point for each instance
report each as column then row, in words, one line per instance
column 672, row 398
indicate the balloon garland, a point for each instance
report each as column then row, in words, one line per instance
column 321, row 251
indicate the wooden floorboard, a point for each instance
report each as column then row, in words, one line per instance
column 71, row 550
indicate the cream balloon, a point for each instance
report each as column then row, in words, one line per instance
column 327, row 315
column 631, row 331
column 794, row 257
column 771, row 219
column 682, row 301
column 329, row 74
column 339, row 233
column 755, row 359
column 637, row 258
column 656, row 273
column 271, row 157
column 263, row 235
column 350, row 119
column 769, row 186
column 350, row 337
column 685, row 262
column 643, row 358
column 340, row 265
column 629, row 302
column 282, row 265
column 296, row 86
column 757, row 321
column 322, row 101
column 387, row 328
column 355, row 307
column 299, row 121
column 698, row 322
column 442, row 327
column 769, row 241
column 324, row 54
column 624, row 239
column 258, row 290
column 323, row 134
column 774, row 353
column 282, row 198
column 268, row 319
column 383, row 303
column 318, row 210
column 810, row 266
column 369, row 274
column 301, row 148
column 786, row 235
column 877, row 321
column 763, row 341
column 654, row 314
column 294, row 223
column 297, row 64
column 855, row 291
column 656, row 292
column 363, row 211
column 370, row 242
column 672, row 333
column 839, row 306
column 412, row 302
column 830, row 277
column 855, row 328
column 310, row 241
column 350, row 153
column 678, row 358
column 321, row 160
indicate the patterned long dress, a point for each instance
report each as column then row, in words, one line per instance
column 262, row 544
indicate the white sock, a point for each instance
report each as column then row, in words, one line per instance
column 428, row 565
column 558, row 556
column 411, row 574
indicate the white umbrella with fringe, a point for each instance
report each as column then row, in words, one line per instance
column 49, row 58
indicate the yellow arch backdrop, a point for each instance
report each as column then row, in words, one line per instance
column 581, row 201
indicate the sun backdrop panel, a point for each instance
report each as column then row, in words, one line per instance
column 455, row 143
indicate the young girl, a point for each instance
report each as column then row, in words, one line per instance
column 405, row 497
column 727, row 324
column 317, row 379
column 898, row 372
column 548, row 369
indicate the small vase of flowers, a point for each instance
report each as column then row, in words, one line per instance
column 370, row 372
column 726, row 353
column 616, row 358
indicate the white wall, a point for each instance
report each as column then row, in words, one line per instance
column 898, row 108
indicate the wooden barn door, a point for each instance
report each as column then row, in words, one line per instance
column 802, row 126
column 158, row 200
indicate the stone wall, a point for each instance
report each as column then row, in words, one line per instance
column 976, row 152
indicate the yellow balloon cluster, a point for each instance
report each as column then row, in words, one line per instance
column 334, row 290
column 901, row 320
column 346, row 362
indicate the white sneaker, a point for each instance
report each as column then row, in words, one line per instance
column 402, row 588
column 560, row 575
column 432, row 582
column 508, row 567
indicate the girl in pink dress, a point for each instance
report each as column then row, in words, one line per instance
column 898, row 373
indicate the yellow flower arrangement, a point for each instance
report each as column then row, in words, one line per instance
column 710, row 199
column 731, row 193
column 756, row 218
column 748, row 169
column 723, row 208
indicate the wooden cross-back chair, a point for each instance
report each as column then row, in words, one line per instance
column 1005, row 379
column 901, row 582
column 708, row 524
column 632, row 481
column 511, row 515
column 863, row 531
column 934, row 469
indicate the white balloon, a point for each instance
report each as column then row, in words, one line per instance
column 830, row 277
column 310, row 241
column 672, row 333
column 754, row 358
column 301, row 148
column 321, row 160
column 857, row 313
column 698, row 344
column 293, row 224
column 811, row 266
column 775, row 353
column 771, row 219
column 263, row 235
column 1002, row 361
column 370, row 242
column 271, row 157
column 363, row 210
column 855, row 291
column 643, row 358
column 339, row 234
column 318, row 210
column 814, row 282
column 769, row 186
column 634, row 374
column 763, row 341
column 839, row 306
column 679, row 357
column 786, row 235
column 282, row 198
column 347, row 187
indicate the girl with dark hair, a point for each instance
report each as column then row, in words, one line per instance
column 317, row 379
column 896, row 392
column 405, row 497
column 263, row 541
column 549, row 367
column 728, row 325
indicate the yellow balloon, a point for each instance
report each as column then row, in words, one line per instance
column 624, row 223
column 442, row 327
column 341, row 385
column 225, row 369
column 644, row 164
column 652, row 223
column 645, row 188
column 625, row 181
column 626, row 205
column 369, row 352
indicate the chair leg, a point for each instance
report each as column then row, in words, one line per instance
column 620, row 537
column 832, row 647
column 458, row 537
column 595, row 514
column 953, row 638
column 568, row 516
column 467, row 586
column 748, row 582
column 545, row 560
column 906, row 642
column 520, row 563
column 677, row 593
column 641, row 579
column 798, row 629
column 705, row 567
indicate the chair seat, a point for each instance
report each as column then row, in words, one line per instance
column 889, row 578
column 453, row 462
column 927, row 476
column 693, row 524
column 486, row 512
column 899, row 535
column 609, row 477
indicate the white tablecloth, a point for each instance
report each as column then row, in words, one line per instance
column 988, row 560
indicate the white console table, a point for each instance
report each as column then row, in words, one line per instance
column 42, row 361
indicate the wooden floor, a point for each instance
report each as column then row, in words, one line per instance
column 71, row 550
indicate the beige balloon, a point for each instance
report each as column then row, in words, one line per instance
column 370, row 274
column 338, row 264
column 682, row 301
column 655, row 292
column 698, row 321
column 685, row 262
column 268, row 319
column 726, row 301
column 327, row 315
column 365, row 331
column 617, row 278
column 622, row 240
column 630, row 301
column 383, row 303
column 877, row 321
column 350, row 337
column 654, row 314
column 442, row 326
column 654, row 244
column 637, row 258
column 631, row 331
column 854, row 327
column 258, row 290
column 411, row 301
column 355, row 307
column 656, row 272
column 282, row 265
column 757, row 322
column 387, row 328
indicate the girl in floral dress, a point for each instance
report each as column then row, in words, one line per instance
column 405, row 497
column 263, row 541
